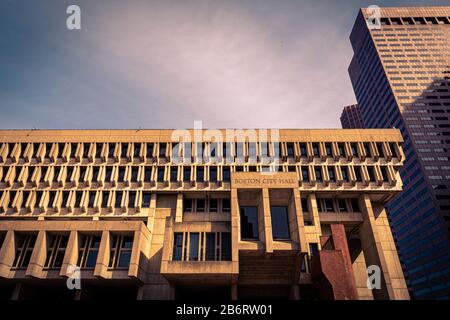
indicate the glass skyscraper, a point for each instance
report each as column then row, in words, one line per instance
column 400, row 73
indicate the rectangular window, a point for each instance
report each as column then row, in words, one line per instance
column 213, row 174
column 303, row 149
column 95, row 171
column 210, row 246
column 193, row 246
column 187, row 205
column 137, row 150
column 56, row 249
column 105, row 197
column 226, row 176
column 305, row 174
column 200, row 205
column 316, row 151
column 149, row 150
column 111, row 147
column 131, row 199
column 200, row 174
column 358, row 173
column 134, row 174
column 24, row 249
column 91, row 199
column 118, row 201
column 160, row 174
column 318, row 172
column 342, row 205
column 344, row 174
column 280, row 223
column 212, row 205
column 328, row 150
column 177, row 246
column 187, row 174
column 147, row 174
column 108, row 174
column 146, row 197
column 121, row 174
column 98, row 150
column 226, row 205
column 226, row 246
column 341, row 149
column 371, row 172
column 331, row 174
column 329, row 207
column 355, row 205
column 290, row 149
column 305, row 207
column 123, row 153
column 384, row 173
column 173, row 173
column 120, row 254
column 162, row 150
column 87, row 256
column 249, row 223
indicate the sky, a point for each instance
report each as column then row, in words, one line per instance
column 166, row 63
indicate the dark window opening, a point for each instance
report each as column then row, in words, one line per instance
column 200, row 205
column 187, row 203
column 213, row 174
column 249, row 223
column 213, row 205
column 160, row 174
column 226, row 205
column 200, row 174
column 146, row 197
column 280, row 223
column 177, row 246
column 187, row 174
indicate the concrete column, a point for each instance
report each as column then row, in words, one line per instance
column 379, row 250
column 179, row 208
column 37, row 260
column 235, row 230
column 267, row 221
column 71, row 255
column 7, row 254
column 296, row 221
column 101, row 266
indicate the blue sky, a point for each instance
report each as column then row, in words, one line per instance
column 164, row 64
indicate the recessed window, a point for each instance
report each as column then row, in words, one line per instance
column 200, row 205
column 121, row 174
column 213, row 205
column 226, row 246
column 329, row 205
column 137, row 150
column 384, row 173
column 78, row 196
column 187, row 203
column 290, row 149
column 187, row 174
column 24, row 249
column 86, row 147
column 331, row 174
column 226, row 205
column 193, row 246
column 305, row 207
column 111, row 147
column 226, row 174
column 146, row 197
column 162, row 149
column 105, row 197
column 318, row 172
column 354, row 149
column 95, row 172
column 56, row 249
column 305, row 174
column 120, row 254
column 252, row 149
column 98, row 150
column 210, row 254
column 108, row 174
column 134, row 174
column 177, row 247
column 355, row 205
column 91, row 199
column 118, row 202
column 358, row 173
column 213, row 174
column 249, row 222
column 147, row 174
column 342, row 204
column 124, row 150
column 316, row 149
column 341, row 149
column 280, row 222
column 344, row 172
column 328, row 150
column 303, row 149
column 371, row 171
column 200, row 174
column 160, row 174
column 131, row 199
column 149, row 153
column 89, row 246
column 173, row 173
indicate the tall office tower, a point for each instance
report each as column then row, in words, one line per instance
column 400, row 73
column 350, row 117
column 298, row 214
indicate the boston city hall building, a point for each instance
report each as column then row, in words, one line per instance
column 199, row 214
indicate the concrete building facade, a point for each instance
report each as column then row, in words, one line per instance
column 138, row 214
column 400, row 73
